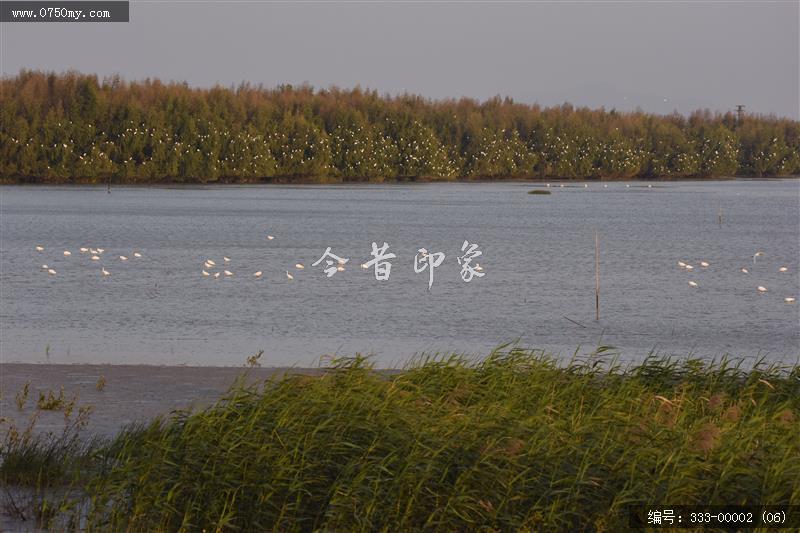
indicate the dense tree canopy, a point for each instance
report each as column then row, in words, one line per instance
column 75, row 128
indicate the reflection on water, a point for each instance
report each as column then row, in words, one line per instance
column 538, row 257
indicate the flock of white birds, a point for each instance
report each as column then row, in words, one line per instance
column 210, row 265
column 94, row 255
column 761, row 289
column 605, row 185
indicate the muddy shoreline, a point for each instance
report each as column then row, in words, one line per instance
column 131, row 393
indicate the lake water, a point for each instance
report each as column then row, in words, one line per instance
column 538, row 256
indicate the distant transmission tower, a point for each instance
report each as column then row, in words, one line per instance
column 739, row 113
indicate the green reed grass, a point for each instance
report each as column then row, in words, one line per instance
column 517, row 441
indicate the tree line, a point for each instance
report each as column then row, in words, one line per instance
column 75, row 128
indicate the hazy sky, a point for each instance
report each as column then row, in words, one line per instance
column 612, row 54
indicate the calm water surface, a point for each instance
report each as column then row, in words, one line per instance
column 538, row 255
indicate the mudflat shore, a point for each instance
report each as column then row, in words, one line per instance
column 128, row 393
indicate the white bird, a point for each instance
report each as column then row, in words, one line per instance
column 210, row 262
column 757, row 254
column 226, row 259
column 340, row 268
column 689, row 267
column 585, row 185
column 95, row 258
column 92, row 251
column 228, row 273
column 789, row 299
column 137, row 254
column 84, row 250
column 693, row 284
column 39, row 249
column 649, row 186
column 548, row 185
column 681, row 264
column 216, row 274
column 562, row 185
column 364, row 266
column 745, row 270
column 704, row 264
column 270, row 237
column 206, row 273
column 45, row 267
column 257, row 274
column 51, row 271
column 123, row 258
column 101, row 250
column 342, row 261
column 627, row 186
column 783, row 269
column 478, row 267
column 105, row 272
column 299, row 266
column 762, row 289
column 207, row 264
column 289, row 276
column 67, row 253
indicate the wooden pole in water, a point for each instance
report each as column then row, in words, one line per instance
column 596, row 276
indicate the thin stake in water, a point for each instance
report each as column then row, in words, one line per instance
column 596, row 276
